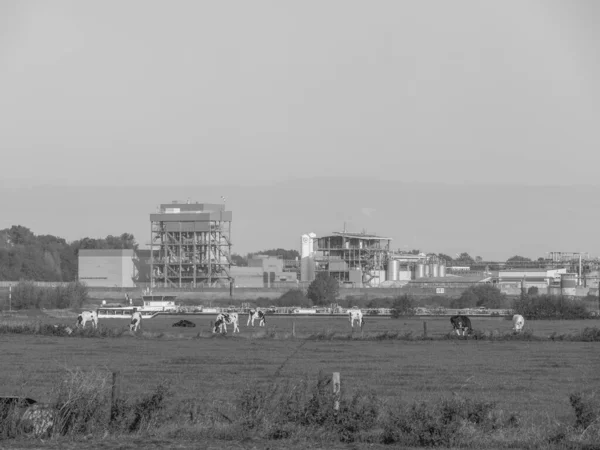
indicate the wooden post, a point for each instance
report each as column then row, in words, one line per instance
column 293, row 328
column 336, row 390
column 115, row 395
column 212, row 326
column 425, row 329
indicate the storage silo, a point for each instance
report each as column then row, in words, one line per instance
column 427, row 271
column 419, row 271
column 392, row 270
column 442, row 270
column 568, row 283
column 434, row 270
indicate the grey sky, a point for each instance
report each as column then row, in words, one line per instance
column 147, row 92
column 196, row 93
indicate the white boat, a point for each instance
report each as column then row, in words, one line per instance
column 122, row 312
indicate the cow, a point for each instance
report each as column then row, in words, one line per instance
column 85, row 317
column 461, row 323
column 356, row 315
column 254, row 314
column 518, row 322
column 136, row 321
column 225, row 319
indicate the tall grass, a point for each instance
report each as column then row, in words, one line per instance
column 26, row 295
column 296, row 412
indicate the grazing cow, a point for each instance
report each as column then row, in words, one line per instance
column 461, row 323
column 356, row 315
column 136, row 321
column 225, row 319
column 85, row 317
column 518, row 322
column 256, row 314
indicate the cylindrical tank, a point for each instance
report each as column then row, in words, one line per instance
column 392, row 271
column 419, row 271
column 427, row 271
column 434, row 270
column 442, row 270
column 568, row 283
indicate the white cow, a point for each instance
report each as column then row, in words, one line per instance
column 136, row 321
column 256, row 314
column 225, row 319
column 356, row 315
column 85, row 317
column 518, row 322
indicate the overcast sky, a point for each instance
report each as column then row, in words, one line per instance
column 199, row 93
column 147, row 92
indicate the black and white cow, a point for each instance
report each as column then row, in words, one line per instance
column 85, row 317
column 356, row 315
column 225, row 319
column 255, row 314
column 518, row 322
column 461, row 323
column 136, row 321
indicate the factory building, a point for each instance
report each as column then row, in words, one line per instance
column 192, row 245
column 364, row 260
column 354, row 259
column 264, row 271
column 107, row 268
column 512, row 279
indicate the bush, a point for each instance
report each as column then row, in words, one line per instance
column 293, row 297
column 480, row 295
column 533, row 290
column 26, row 295
column 278, row 412
column 403, row 306
column 550, row 307
column 586, row 408
column 442, row 424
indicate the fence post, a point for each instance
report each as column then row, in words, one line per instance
column 293, row 328
column 424, row 329
column 212, row 325
column 336, row 390
column 115, row 395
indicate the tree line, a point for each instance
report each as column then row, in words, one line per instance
column 44, row 257
column 27, row 256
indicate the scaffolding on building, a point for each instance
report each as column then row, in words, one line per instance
column 342, row 252
column 194, row 245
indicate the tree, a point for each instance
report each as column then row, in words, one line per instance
column 323, row 290
column 444, row 257
column 518, row 258
column 239, row 260
column 465, row 258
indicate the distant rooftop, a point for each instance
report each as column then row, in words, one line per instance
column 359, row 235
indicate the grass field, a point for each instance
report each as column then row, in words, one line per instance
column 531, row 378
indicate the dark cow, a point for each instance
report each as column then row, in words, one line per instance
column 254, row 314
column 184, row 323
column 461, row 323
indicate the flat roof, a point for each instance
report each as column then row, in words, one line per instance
column 358, row 236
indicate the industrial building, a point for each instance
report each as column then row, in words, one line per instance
column 264, row 271
column 107, row 268
column 192, row 245
column 364, row 260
